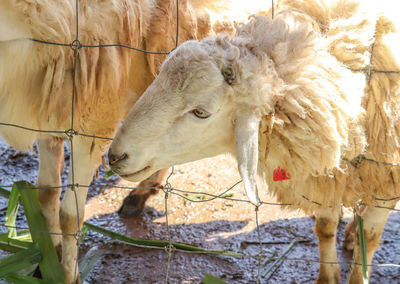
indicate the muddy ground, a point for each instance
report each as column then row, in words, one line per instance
column 217, row 224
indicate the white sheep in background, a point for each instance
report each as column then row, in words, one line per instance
column 36, row 85
column 284, row 94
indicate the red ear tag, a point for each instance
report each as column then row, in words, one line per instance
column 280, row 174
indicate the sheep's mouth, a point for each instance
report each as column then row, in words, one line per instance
column 135, row 173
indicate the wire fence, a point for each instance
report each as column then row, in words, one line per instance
column 167, row 188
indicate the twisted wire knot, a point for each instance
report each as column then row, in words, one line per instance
column 169, row 248
column 73, row 186
column 167, row 188
column 71, row 133
column 78, row 235
column 75, row 45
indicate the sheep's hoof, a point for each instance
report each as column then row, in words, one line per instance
column 132, row 205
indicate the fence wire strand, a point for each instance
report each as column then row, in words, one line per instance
column 168, row 189
column 260, row 258
column 168, row 249
column 75, row 46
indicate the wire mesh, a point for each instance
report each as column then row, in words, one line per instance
column 168, row 189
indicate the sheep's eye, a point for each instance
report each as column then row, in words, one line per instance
column 201, row 113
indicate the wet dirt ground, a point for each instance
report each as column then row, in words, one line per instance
column 218, row 224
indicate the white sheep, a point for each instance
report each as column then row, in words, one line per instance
column 291, row 94
column 36, row 82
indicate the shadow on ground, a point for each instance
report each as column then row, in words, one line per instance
column 218, row 224
column 137, row 265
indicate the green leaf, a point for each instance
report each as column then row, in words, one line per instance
column 23, row 279
column 109, row 173
column 156, row 243
column 5, row 192
column 277, row 262
column 20, row 260
column 12, row 210
column 363, row 249
column 89, row 260
column 211, row 279
column 23, row 241
column 24, row 236
column 196, row 197
column 50, row 267
column 10, row 247
column 83, row 234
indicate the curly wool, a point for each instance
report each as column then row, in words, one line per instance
column 36, row 78
column 325, row 111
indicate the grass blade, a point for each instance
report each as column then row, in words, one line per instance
column 20, row 260
column 5, row 192
column 16, row 244
column 12, row 210
column 277, row 262
column 156, row 243
column 109, row 173
column 22, row 279
column 363, row 249
column 50, row 267
column 211, row 279
column 87, row 262
column 11, row 247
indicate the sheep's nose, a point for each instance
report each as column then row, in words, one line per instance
column 113, row 159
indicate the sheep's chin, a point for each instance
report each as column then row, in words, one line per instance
column 139, row 175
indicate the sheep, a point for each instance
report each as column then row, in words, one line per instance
column 295, row 101
column 223, row 15
column 36, row 83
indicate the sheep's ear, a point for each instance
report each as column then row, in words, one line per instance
column 246, row 135
column 228, row 75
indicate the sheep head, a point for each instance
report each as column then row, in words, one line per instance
column 272, row 86
column 197, row 107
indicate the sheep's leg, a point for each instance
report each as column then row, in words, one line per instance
column 134, row 203
column 84, row 160
column 51, row 165
column 326, row 222
column 374, row 223
column 349, row 236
